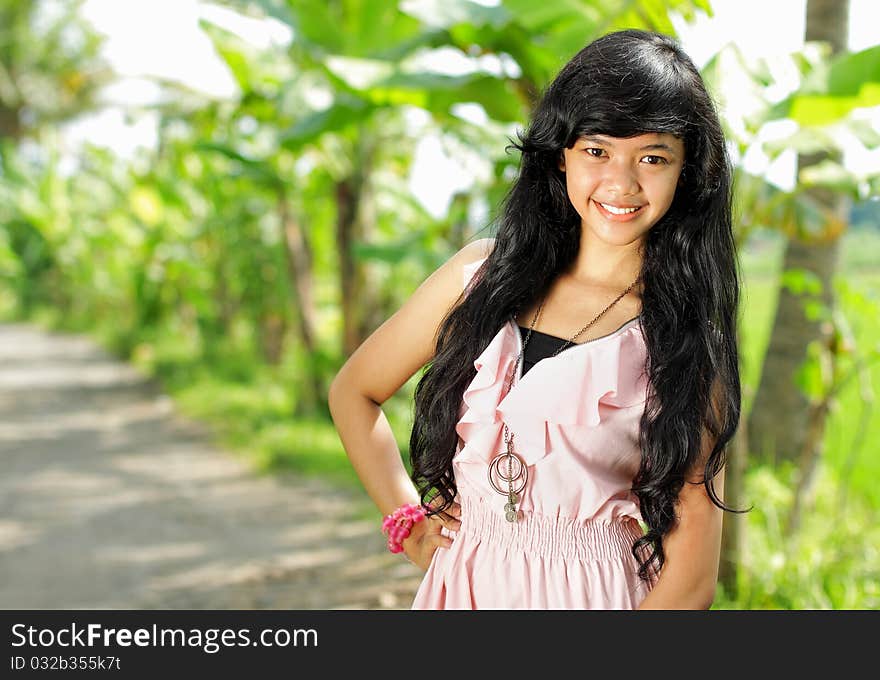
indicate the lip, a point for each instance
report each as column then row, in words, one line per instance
column 617, row 218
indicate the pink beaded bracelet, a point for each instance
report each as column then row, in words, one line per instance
column 398, row 525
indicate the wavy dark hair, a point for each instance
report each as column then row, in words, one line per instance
column 623, row 84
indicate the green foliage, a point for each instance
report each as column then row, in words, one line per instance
column 801, row 282
column 822, row 107
column 851, row 80
column 50, row 65
column 832, row 563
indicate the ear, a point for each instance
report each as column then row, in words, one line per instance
column 561, row 164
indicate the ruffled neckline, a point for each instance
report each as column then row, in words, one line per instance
column 567, row 389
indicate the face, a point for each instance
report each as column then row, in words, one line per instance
column 619, row 186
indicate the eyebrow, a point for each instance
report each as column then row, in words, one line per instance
column 647, row 147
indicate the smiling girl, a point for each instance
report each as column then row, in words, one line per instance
column 582, row 383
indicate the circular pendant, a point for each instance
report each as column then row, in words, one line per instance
column 518, row 476
column 510, row 471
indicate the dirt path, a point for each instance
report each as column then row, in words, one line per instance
column 109, row 500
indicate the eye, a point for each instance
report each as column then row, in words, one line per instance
column 589, row 151
column 658, row 160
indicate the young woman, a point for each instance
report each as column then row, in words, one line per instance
column 570, row 432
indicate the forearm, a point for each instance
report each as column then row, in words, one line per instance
column 692, row 553
column 680, row 591
column 370, row 446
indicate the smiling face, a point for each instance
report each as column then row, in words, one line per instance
column 621, row 187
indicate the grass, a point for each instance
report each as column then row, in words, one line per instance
column 832, row 562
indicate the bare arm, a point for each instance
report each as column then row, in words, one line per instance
column 379, row 367
column 693, row 547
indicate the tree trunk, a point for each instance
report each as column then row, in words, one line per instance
column 298, row 255
column 778, row 419
column 357, row 299
column 10, row 123
column 808, row 468
column 351, row 278
column 272, row 331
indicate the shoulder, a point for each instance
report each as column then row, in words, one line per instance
column 471, row 256
column 407, row 340
column 476, row 250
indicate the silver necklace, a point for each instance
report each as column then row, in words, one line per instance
column 517, row 474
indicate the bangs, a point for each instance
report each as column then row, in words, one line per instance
column 645, row 110
column 624, row 95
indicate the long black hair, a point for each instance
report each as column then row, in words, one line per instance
column 623, row 84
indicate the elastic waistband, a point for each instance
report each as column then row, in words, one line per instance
column 586, row 540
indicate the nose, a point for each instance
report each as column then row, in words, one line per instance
column 620, row 179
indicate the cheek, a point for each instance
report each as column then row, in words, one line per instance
column 579, row 195
column 663, row 193
column 580, row 185
column 574, row 189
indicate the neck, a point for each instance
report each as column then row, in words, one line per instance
column 607, row 266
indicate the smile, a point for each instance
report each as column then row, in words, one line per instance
column 618, row 214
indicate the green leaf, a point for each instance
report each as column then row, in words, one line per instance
column 850, row 72
column 345, row 112
column 866, row 133
column 657, row 13
column 829, row 174
column 492, row 94
column 277, row 9
column 392, row 253
column 146, row 205
column 815, row 310
column 687, row 9
column 830, row 91
column 803, row 141
column 538, row 17
column 233, row 52
column 801, row 281
column 438, row 92
column 374, row 27
column 359, row 73
column 257, row 169
column 815, row 110
column 448, row 13
column 811, row 377
column 315, row 22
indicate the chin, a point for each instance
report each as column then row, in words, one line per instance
column 617, row 235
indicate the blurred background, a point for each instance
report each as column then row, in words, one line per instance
column 205, row 207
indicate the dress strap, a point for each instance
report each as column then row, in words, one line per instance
column 469, row 270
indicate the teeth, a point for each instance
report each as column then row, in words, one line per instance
column 618, row 211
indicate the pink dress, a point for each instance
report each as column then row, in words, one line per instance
column 575, row 420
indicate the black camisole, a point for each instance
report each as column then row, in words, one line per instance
column 543, row 345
